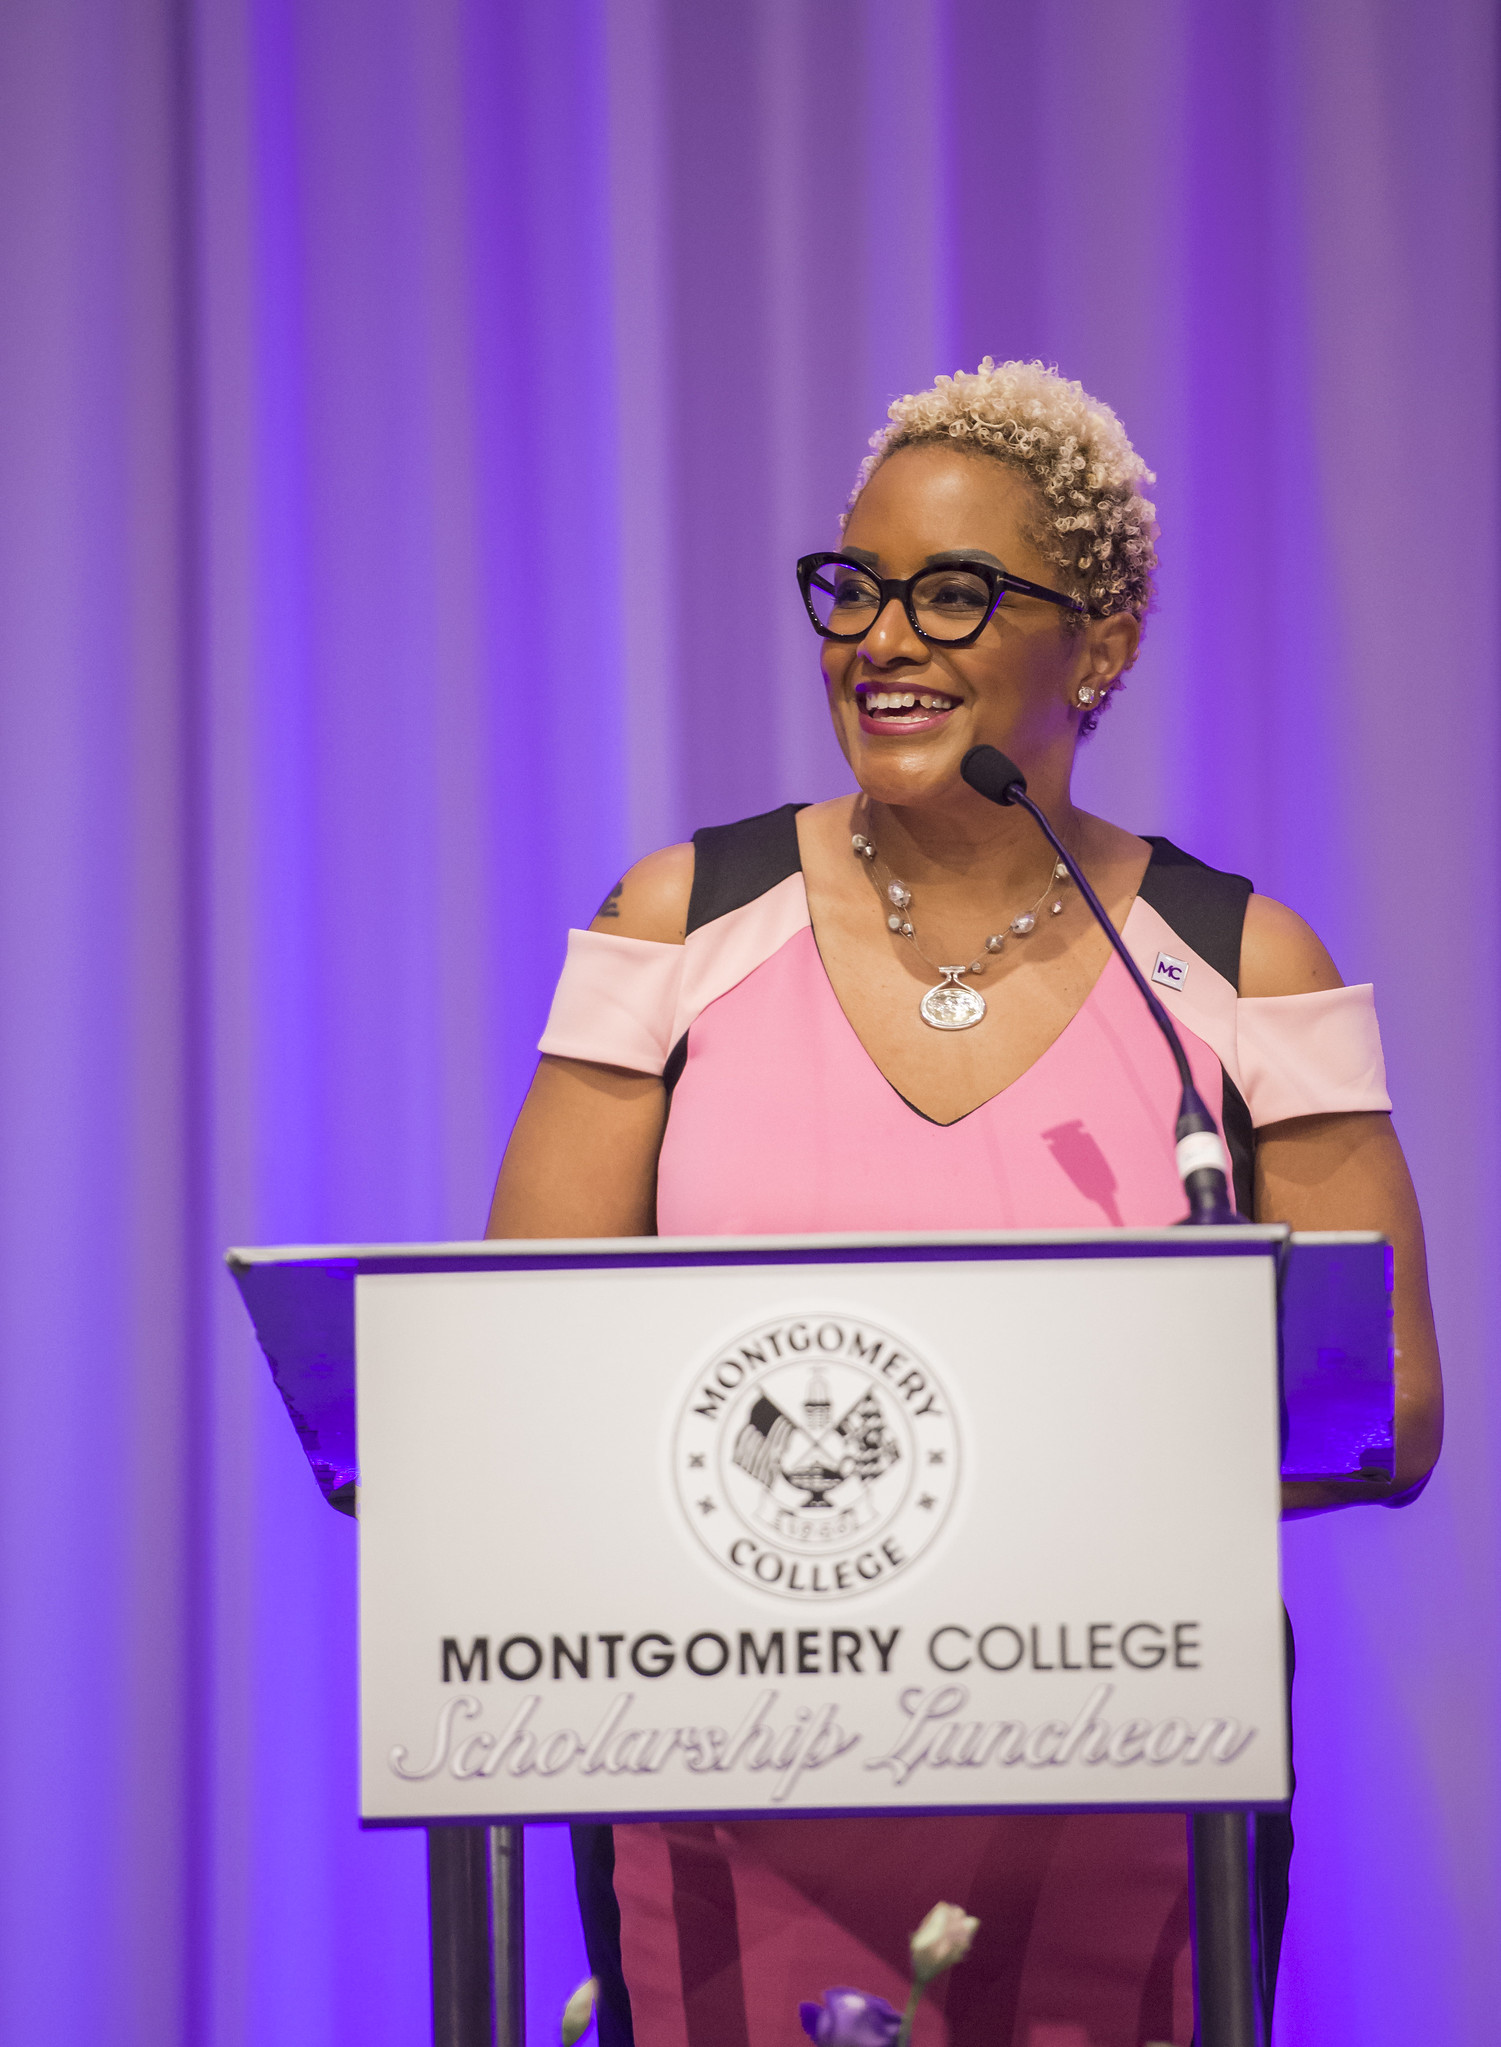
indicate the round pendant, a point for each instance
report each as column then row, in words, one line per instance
column 951, row 1006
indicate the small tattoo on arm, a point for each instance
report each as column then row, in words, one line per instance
column 610, row 907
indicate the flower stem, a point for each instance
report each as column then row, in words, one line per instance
column 909, row 2016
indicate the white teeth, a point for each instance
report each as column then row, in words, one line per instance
column 905, row 700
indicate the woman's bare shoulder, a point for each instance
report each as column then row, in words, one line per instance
column 1102, row 840
column 826, row 826
column 1114, row 859
column 1280, row 954
column 651, row 899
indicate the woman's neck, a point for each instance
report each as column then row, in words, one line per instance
column 968, row 839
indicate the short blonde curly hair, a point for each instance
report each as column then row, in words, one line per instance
column 1094, row 523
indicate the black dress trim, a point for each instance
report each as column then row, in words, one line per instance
column 677, row 1059
column 1204, row 905
column 1240, row 1142
column 599, row 1908
column 735, row 863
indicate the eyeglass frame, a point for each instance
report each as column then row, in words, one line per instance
column 898, row 590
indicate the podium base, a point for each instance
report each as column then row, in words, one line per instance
column 475, row 1912
column 1227, row 1966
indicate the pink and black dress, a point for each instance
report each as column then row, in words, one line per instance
column 779, row 1123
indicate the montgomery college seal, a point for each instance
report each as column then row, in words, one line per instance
column 815, row 1456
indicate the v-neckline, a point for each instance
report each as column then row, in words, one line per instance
column 1091, row 993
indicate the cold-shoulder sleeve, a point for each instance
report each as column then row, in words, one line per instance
column 1310, row 1055
column 627, row 1001
column 615, row 1002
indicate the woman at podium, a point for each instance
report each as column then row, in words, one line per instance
column 893, row 1012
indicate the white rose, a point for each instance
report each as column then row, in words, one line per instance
column 943, row 1939
column 578, row 2012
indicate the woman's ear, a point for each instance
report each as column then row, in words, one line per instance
column 1112, row 645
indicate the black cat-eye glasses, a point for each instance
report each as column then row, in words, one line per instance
column 950, row 603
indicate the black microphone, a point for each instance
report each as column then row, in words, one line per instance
column 1200, row 1153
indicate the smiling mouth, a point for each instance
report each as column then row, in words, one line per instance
column 894, row 707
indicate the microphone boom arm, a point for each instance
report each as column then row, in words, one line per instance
column 1200, row 1151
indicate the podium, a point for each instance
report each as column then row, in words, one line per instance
column 824, row 1526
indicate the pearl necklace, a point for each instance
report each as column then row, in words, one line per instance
column 950, row 1005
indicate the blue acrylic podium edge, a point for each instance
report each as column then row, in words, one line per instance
column 1334, row 1311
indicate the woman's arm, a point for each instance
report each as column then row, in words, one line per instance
column 582, row 1160
column 1347, row 1173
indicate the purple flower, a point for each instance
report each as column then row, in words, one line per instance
column 850, row 2018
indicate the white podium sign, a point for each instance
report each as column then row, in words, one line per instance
column 964, row 1524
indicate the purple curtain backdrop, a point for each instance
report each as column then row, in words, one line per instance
column 391, row 392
